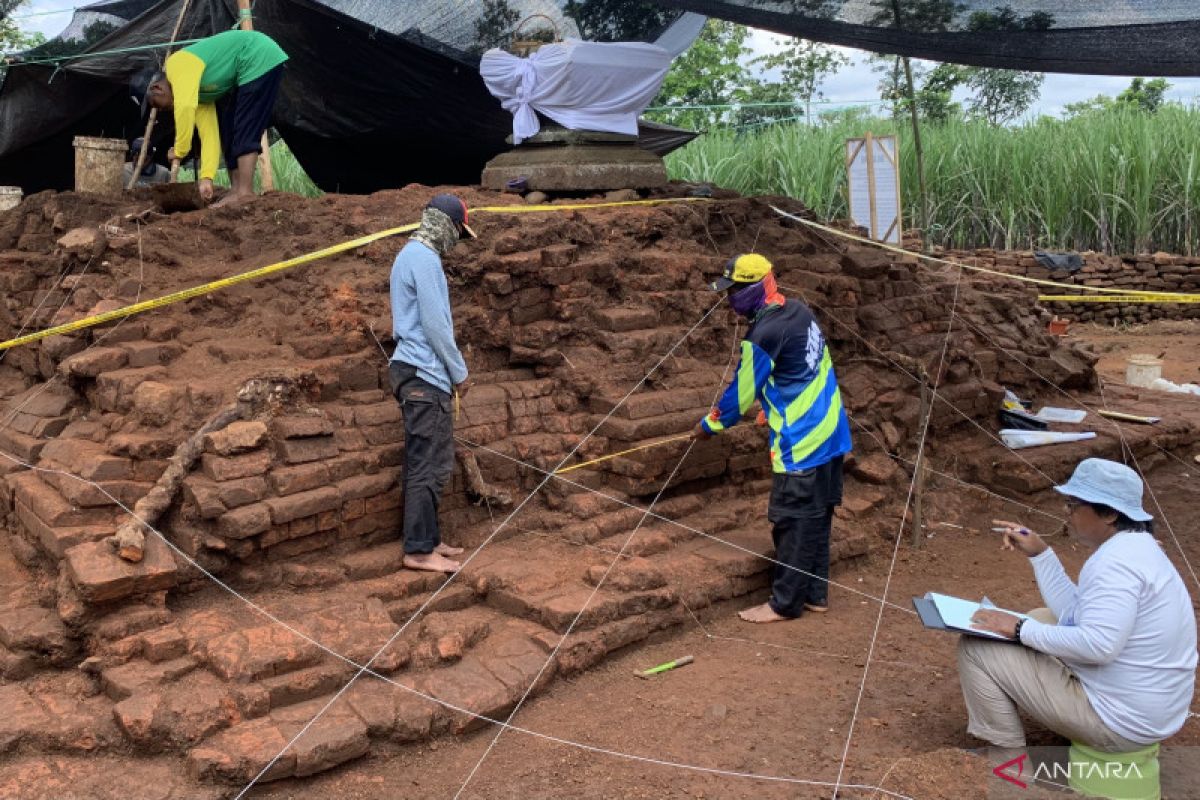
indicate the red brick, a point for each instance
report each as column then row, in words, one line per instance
column 242, row 492
column 88, row 459
column 44, row 404
column 55, row 541
column 307, row 544
column 383, row 434
column 141, row 445
column 289, row 480
column 299, row 451
column 349, row 440
column 369, row 485
column 244, row 522
column 299, row 427
column 328, row 520
column 239, row 754
column 378, row 414
column 346, row 466
column 228, row 468
column 382, row 502
column 304, row 504
column 49, row 505
column 93, row 362
column 203, row 494
column 353, row 509
column 163, row 644
column 99, row 575
column 390, row 455
column 238, row 437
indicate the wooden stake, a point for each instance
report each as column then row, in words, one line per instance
column 141, row 159
column 266, row 174
column 919, row 478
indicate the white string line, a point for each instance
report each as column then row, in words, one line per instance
column 571, row 627
column 948, row 476
column 263, row 612
column 620, row 553
column 473, row 555
column 899, row 533
column 12, row 415
column 62, row 276
column 935, row 395
column 677, row 523
column 1125, row 445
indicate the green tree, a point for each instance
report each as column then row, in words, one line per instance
column 1145, row 95
column 495, row 25
column 710, row 72
column 617, row 20
column 1002, row 95
column 12, row 40
column 803, row 65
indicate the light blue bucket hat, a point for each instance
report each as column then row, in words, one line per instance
column 1098, row 480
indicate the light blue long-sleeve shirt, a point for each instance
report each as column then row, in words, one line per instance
column 421, row 321
column 1127, row 631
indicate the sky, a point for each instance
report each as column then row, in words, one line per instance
column 853, row 82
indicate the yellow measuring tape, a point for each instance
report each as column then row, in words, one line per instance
column 679, row 438
column 1108, row 298
column 262, row 272
column 985, row 270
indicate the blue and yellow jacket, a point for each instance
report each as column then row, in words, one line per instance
column 786, row 366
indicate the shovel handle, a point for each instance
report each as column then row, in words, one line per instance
column 174, row 170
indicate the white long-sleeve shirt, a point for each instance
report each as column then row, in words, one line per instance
column 1127, row 631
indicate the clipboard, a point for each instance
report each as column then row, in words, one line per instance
column 931, row 618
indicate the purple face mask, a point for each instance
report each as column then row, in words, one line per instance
column 749, row 300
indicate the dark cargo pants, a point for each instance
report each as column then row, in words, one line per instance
column 801, row 509
column 428, row 454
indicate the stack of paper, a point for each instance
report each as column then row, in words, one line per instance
column 956, row 612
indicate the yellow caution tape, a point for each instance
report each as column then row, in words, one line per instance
column 974, row 268
column 623, row 453
column 262, row 272
column 1128, row 298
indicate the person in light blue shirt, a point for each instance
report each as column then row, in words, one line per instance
column 426, row 372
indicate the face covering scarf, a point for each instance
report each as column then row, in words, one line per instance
column 749, row 301
column 437, row 232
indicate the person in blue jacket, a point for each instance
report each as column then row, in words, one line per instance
column 425, row 372
column 786, row 367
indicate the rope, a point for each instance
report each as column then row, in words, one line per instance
column 974, row 267
column 117, row 51
column 899, row 535
column 1124, row 298
column 271, row 269
column 679, row 438
column 491, row 537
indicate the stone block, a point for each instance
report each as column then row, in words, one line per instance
column 239, row 754
column 88, row 459
column 257, row 653
column 163, row 644
column 337, row 737
column 203, row 494
column 378, row 414
column 238, row 437
column 134, row 677
column 242, row 492
column 469, row 685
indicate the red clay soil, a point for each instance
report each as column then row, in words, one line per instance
column 159, row 684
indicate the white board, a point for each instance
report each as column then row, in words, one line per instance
column 873, row 172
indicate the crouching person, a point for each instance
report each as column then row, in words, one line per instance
column 1111, row 662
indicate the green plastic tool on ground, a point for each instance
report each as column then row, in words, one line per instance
column 679, row 662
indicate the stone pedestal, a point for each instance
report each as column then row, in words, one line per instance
column 558, row 160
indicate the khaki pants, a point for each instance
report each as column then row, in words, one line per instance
column 1000, row 679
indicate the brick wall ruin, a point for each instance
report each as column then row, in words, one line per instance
column 1152, row 272
column 297, row 505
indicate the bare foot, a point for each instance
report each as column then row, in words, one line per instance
column 763, row 613
column 232, row 199
column 447, row 550
column 431, row 562
column 816, row 609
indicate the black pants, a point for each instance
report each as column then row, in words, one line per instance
column 801, row 510
column 244, row 113
column 428, row 454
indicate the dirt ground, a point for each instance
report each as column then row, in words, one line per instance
column 779, row 700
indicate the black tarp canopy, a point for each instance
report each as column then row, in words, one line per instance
column 367, row 103
column 380, row 93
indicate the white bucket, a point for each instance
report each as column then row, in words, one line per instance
column 10, row 197
column 1142, row 370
